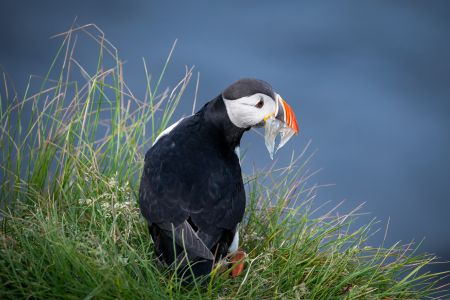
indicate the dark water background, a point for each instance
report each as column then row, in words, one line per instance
column 369, row 81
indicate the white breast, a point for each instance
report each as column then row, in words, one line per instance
column 237, row 150
column 235, row 243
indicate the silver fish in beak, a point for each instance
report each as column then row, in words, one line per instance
column 283, row 123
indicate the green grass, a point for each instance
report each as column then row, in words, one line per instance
column 71, row 157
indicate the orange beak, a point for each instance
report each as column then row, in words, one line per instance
column 286, row 114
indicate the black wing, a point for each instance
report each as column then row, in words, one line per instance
column 190, row 175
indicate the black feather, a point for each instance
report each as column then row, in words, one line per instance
column 246, row 87
column 193, row 177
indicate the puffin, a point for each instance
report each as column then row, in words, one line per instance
column 191, row 190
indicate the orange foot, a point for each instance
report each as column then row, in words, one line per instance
column 237, row 263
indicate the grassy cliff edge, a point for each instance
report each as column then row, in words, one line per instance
column 71, row 157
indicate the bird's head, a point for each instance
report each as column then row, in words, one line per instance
column 253, row 103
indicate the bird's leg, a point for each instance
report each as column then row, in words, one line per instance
column 237, row 262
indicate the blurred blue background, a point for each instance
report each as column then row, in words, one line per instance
column 369, row 82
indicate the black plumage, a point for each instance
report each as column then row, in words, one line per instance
column 192, row 187
column 247, row 87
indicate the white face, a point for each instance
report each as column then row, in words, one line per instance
column 250, row 111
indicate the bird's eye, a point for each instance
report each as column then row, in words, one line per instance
column 260, row 103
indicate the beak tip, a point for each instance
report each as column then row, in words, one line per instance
column 296, row 130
